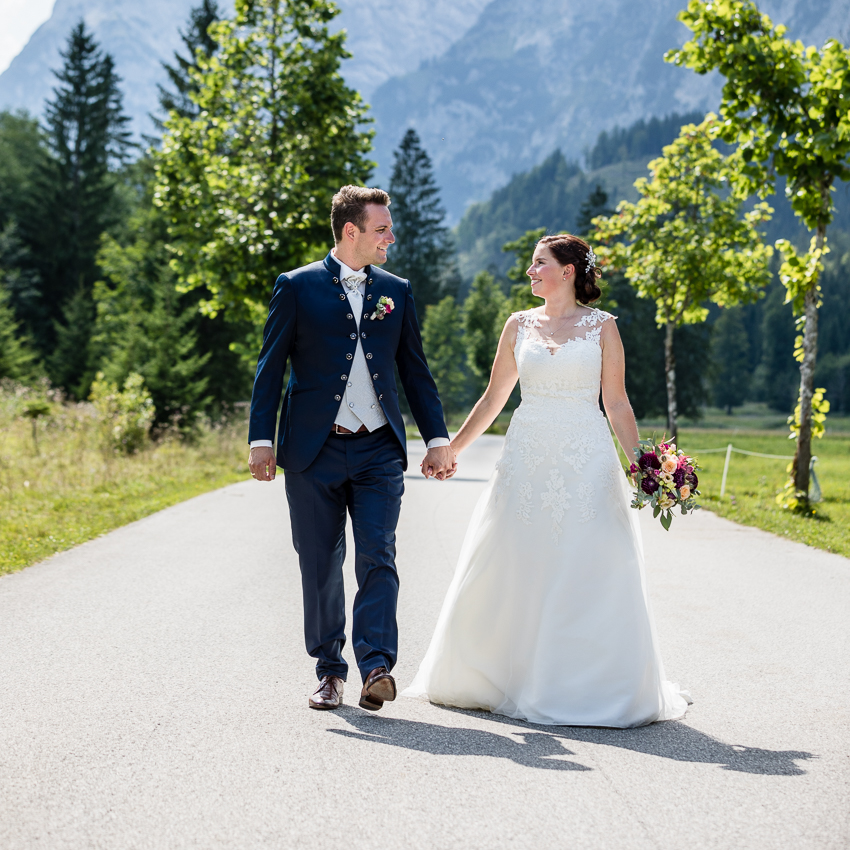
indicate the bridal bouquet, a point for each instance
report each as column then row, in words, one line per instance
column 664, row 477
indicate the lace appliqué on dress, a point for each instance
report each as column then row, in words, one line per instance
column 585, row 502
column 594, row 320
column 557, row 499
column 526, row 492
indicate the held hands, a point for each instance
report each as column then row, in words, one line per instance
column 439, row 463
column 262, row 464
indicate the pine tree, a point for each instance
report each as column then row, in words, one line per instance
column 595, row 204
column 732, row 362
column 17, row 360
column 482, row 314
column 17, row 276
column 443, row 341
column 145, row 326
column 73, row 202
column 178, row 98
column 69, row 364
column 424, row 252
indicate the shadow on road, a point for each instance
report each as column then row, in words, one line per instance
column 535, row 750
column 541, row 746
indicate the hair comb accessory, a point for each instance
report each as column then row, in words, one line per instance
column 591, row 260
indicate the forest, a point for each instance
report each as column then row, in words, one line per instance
column 104, row 273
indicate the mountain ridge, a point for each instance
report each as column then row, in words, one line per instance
column 142, row 35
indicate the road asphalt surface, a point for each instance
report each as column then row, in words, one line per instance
column 153, row 694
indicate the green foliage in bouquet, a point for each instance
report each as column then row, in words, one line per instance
column 664, row 477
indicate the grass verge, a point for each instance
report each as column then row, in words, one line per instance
column 70, row 491
column 753, row 482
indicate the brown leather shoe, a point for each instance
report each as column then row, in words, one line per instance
column 328, row 695
column 378, row 688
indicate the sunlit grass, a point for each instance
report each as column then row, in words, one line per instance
column 753, row 482
column 70, row 490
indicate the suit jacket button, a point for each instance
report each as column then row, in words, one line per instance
column 368, row 297
column 337, row 398
column 349, row 316
column 343, row 377
column 349, row 356
column 336, row 280
column 368, row 356
column 381, row 397
column 342, row 296
column 363, row 334
column 365, row 315
column 375, row 376
column 354, row 336
column 370, row 280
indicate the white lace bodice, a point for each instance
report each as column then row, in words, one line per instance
column 571, row 371
column 559, row 428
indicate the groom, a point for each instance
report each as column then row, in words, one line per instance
column 344, row 324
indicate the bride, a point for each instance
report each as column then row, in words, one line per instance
column 547, row 618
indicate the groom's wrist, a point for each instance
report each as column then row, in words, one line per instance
column 254, row 444
column 437, row 443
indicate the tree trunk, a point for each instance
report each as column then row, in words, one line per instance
column 670, row 373
column 803, row 455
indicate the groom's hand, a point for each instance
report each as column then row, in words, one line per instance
column 441, row 463
column 262, row 464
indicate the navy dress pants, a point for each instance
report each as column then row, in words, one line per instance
column 362, row 475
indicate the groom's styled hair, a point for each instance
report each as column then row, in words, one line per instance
column 349, row 204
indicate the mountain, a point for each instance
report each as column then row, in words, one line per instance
column 493, row 87
column 535, row 75
column 386, row 38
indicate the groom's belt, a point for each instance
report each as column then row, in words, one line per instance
column 342, row 431
column 338, row 429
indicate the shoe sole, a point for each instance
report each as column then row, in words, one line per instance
column 383, row 690
column 371, row 705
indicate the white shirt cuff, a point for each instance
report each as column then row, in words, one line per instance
column 256, row 443
column 438, row 442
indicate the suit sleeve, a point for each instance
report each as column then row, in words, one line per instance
column 416, row 378
column 278, row 336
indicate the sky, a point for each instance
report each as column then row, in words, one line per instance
column 19, row 19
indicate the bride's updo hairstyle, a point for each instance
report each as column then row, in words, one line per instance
column 570, row 250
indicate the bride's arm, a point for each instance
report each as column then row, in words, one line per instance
column 614, row 397
column 503, row 378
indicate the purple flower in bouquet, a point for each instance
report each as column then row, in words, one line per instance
column 679, row 477
column 649, row 484
column 692, row 480
column 649, row 460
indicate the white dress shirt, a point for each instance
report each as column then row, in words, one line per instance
column 359, row 405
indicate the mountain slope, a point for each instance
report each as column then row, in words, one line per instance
column 534, row 75
column 385, row 37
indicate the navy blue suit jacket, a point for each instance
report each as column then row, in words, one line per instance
column 309, row 325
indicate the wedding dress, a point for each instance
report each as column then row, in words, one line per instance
column 547, row 618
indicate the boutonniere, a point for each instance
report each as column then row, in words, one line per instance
column 384, row 308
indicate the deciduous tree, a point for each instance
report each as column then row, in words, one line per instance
column 686, row 241
column 786, row 105
column 246, row 184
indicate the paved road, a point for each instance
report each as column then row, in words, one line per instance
column 153, row 695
